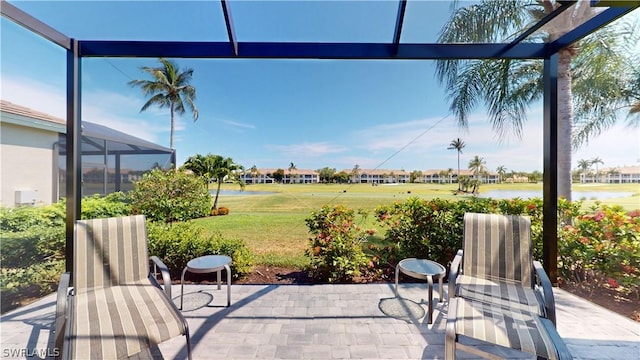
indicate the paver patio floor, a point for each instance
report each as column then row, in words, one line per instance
column 347, row 321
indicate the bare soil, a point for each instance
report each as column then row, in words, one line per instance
column 612, row 299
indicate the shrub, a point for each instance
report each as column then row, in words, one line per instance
column 31, row 235
column 25, row 217
column 177, row 243
column 169, row 196
column 18, row 284
column 433, row 229
column 219, row 211
column 241, row 256
column 336, row 247
column 602, row 245
column 112, row 205
column 39, row 243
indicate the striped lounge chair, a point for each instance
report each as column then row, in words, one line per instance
column 497, row 293
column 115, row 307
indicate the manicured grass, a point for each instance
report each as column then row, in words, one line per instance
column 273, row 225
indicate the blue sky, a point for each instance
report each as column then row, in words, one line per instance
column 269, row 113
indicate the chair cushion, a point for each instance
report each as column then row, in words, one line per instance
column 503, row 293
column 498, row 247
column 511, row 328
column 109, row 252
column 119, row 321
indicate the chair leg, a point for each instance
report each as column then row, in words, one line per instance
column 226, row 267
column 188, row 345
column 188, row 337
column 182, row 286
column 450, row 330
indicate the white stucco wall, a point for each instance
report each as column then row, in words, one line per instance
column 26, row 162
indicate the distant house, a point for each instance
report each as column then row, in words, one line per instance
column 443, row 176
column 33, row 157
column 378, row 176
column 516, row 179
column 621, row 175
column 294, row 176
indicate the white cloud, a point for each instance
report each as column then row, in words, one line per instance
column 237, row 124
column 316, row 149
column 617, row 147
column 35, row 95
column 422, row 144
column 102, row 107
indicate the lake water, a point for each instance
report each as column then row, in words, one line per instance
column 240, row 192
column 576, row 195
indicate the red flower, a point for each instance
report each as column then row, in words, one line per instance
column 612, row 283
column 599, row 216
column 628, row 269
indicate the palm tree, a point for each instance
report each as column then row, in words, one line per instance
column 169, row 88
column 214, row 167
column 458, row 145
column 501, row 170
column 449, row 173
column 254, row 173
column 442, row 174
column 591, row 73
column 355, row 173
column 477, row 165
column 584, row 166
column 200, row 165
column 292, row 167
column 224, row 169
column 595, row 161
column 611, row 173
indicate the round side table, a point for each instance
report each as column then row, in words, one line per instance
column 208, row 264
column 423, row 269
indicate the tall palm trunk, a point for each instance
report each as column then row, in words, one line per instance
column 459, row 188
column 565, row 116
column 172, row 125
column 215, row 201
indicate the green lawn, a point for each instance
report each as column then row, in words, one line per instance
column 273, row 224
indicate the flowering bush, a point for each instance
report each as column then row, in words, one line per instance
column 336, row 246
column 602, row 245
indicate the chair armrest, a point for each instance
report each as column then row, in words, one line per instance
column 166, row 277
column 547, row 291
column 61, row 312
column 453, row 273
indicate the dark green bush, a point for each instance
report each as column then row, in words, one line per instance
column 31, row 234
column 112, row 205
column 177, row 243
column 25, row 217
column 18, row 284
column 169, row 196
column 31, row 246
column 433, row 229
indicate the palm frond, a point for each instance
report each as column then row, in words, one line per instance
column 465, row 91
column 487, row 21
column 159, row 99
